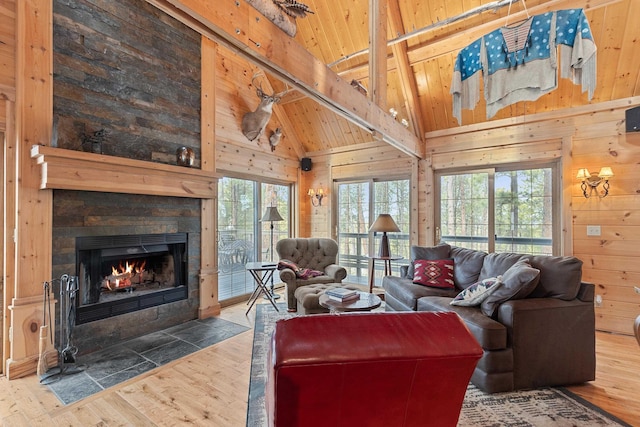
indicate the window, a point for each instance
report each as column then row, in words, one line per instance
column 358, row 205
column 500, row 210
column 241, row 205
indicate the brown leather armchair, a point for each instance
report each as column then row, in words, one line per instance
column 318, row 254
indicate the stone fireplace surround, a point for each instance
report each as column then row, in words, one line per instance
column 145, row 208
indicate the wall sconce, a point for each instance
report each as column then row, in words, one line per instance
column 592, row 182
column 316, row 196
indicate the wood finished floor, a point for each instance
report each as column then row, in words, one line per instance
column 210, row 388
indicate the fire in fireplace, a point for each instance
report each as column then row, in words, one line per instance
column 121, row 274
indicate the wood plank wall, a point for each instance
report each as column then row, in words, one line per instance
column 125, row 67
column 585, row 137
column 364, row 161
column 7, row 56
column 235, row 155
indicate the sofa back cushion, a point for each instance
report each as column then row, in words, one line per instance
column 560, row 276
column 313, row 253
column 497, row 263
column 468, row 264
column 517, row 283
column 431, row 253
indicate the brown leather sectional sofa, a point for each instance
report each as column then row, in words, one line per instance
column 545, row 338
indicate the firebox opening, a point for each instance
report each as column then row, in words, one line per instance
column 121, row 274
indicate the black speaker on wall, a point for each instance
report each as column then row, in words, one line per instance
column 632, row 118
column 305, row 164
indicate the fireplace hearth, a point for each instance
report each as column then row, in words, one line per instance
column 122, row 274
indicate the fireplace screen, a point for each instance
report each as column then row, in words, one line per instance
column 121, row 274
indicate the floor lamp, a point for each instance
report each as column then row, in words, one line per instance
column 385, row 224
column 272, row 215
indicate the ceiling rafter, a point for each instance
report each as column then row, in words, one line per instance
column 407, row 77
column 459, row 40
column 378, row 49
column 404, row 37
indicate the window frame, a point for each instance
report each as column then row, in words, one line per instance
column 557, row 195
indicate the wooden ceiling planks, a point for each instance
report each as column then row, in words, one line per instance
column 629, row 59
column 340, row 28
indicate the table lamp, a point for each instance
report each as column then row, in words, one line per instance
column 385, row 224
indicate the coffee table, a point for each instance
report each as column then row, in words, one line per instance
column 366, row 302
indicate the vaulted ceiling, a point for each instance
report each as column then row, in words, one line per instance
column 424, row 38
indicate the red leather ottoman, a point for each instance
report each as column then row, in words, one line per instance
column 369, row 369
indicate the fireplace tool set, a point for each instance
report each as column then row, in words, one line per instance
column 65, row 348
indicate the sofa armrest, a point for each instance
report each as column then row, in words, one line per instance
column 553, row 340
column 404, row 271
column 587, row 292
column 337, row 272
column 287, row 275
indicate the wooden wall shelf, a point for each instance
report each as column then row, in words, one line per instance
column 77, row 170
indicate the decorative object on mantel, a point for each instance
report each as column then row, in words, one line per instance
column 95, row 140
column 592, row 182
column 185, row 156
column 518, row 62
column 274, row 139
column 255, row 122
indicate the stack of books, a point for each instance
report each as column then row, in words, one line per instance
column 342, row 294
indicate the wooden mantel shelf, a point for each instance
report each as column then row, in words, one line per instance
column 76, row 170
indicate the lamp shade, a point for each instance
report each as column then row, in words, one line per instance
column 384, row 223
column 583, row 174
column 271, row 214
column 605, row 172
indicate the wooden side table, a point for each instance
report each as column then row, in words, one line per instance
column 365, row 302
column 387, row 267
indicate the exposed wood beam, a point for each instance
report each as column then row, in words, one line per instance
column 243, row 29
column 378, row 49
column 457, row 41
column 407, row 77
column 404, row 37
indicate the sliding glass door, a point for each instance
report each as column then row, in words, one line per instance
column 358, row 205
column 242, row 236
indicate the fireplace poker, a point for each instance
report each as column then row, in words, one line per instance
column 69, row 352
column 45, row 331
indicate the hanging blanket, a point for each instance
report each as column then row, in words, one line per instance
column 519, row 63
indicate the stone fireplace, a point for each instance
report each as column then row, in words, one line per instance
column 93, row 232
column 127, row 273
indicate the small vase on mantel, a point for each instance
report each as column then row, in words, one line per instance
column 185, row 156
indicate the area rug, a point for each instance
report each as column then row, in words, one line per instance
column 552, row 407
column 99, row 370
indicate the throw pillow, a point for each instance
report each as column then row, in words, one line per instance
column 434, row 273
column 517, row 283
column 440, row 251
column 285, row 263
column 478, row 292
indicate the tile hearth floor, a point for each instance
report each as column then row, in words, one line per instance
column 97, row 371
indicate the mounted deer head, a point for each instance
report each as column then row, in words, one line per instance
column 254, row 122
